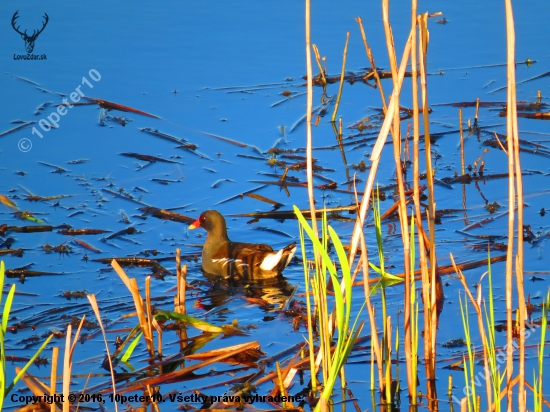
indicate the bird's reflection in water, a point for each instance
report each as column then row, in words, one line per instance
column 269, row 294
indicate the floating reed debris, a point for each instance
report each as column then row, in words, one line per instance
column 166, row 215
column 86, row 245
column 149, row 158
column 82, row 232
column 165, row 136
column 288, row 214
column 16, row 128
column 240, row 195
column 276, row 205
column 124, row 195
column 107, row 105
column 352, row 78
column 57, row 169
column 234, row 142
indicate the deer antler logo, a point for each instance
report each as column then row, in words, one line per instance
column 29, row 40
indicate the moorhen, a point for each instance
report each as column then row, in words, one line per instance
column 237, row 260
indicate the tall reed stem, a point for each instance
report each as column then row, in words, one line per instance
column 513, row 134
column 309, row 108
column 510, row 43
column 411, row 378
column 403, row 216
column 375, row 156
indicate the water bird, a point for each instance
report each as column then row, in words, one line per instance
column 238, row 260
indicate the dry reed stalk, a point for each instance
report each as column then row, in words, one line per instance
column 522, row 314
column 341, row 86
column 422, row 233
column 389, row 362
column 431, row 303
column 478, row 159
column 53, row 375
column 151, row 321
column 461, row 140
column 504, row 392
column 154, row 402
column 290, row 371
column 148, row 308
column 411, row 380
column 511, row 140
column 280, row 386
column 423, row 242
column 180, row 299
column 83, row 391
column 402, row 210
column 132, row 286
column 95, row 307
column 68, row 361
column 121, row 273
column 309, row 108
column 513, row 119
column 483, row 335
column 476, row 117
column 372, row 64
column 396, row 136
column 144, row 324
column 390, row 45
column 38, row 388
column 158, row 328
column 403, row 218
column 395, row 127
column 375, row 157
column 318, row 60
column 392, row 209
column 181, row 273
column 407, row 148
column 500, row 144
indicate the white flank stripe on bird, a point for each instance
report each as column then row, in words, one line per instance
column 225, row 261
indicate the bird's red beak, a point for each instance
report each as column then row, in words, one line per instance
column 195, row 224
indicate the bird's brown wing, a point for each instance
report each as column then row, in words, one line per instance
column 238, row 248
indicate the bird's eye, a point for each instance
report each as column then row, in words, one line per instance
column 203, row 218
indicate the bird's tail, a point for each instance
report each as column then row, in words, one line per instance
column 279, row 260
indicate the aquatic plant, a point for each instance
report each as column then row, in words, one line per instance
column 333, row 358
